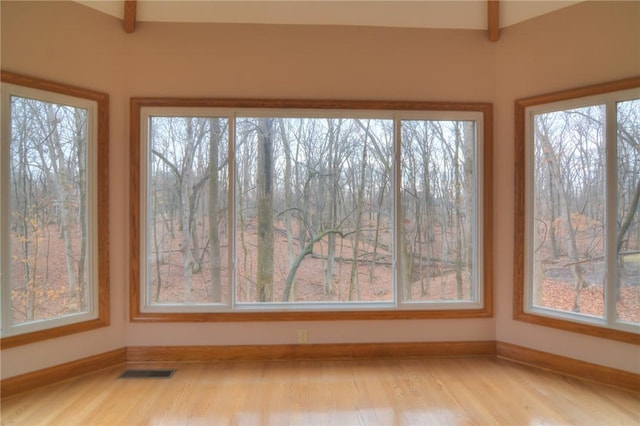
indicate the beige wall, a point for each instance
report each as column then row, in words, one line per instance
column 73, row 44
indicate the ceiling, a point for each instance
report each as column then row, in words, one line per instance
column 453, row 14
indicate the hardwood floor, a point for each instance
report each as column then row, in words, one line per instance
column 457, row 391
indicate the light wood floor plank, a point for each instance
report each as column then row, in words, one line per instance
column 458, row 391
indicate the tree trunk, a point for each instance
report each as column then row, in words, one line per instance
column 215, row 293
column 308, row 249
column 242, row 183
column 264, row 278
column 552, row 226
column 62, row 186
column 428, row 210
column 23, row 219
column 156, row 246
column 376, row 236
column 81, row 136
column 287, row 199
column 185, row 213
column 624, row 227
column 458, row 213
column 354, row 286
column 334, row 175
column 576, row 268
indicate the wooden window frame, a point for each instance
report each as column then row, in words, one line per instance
column 135, row 311
column 520, row 280
column 102, row 287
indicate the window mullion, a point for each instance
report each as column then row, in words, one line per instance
column 231, row 217
column 611, row 255
column 145, row 177
column 529, row 197
column 5, row 308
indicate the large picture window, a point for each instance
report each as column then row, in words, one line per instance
column 54, row 192
column 294, row 210
column 579, row 171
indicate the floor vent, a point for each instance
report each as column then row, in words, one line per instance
column 146, row 374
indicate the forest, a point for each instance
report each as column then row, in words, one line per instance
column 571, row 226
column 48, row 209
column 323, row 209
column 313, row 210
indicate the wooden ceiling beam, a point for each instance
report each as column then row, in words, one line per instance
column 493, row 8
column 129, row 23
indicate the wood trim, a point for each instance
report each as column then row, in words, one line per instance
column 581, row 92
column 137, row 316
column 307, row 352
column 336, row 104
column 47, row 376
column 134, row 210
column 51, row 333
column 129, row 21
column 487, row 220
column 51, row 86
column 135, row 313
column 569, row 366
column 104, row 208
column 575, row 327
column 493, row 12
column 520, row 212
column 103, row 257
column 502, row 350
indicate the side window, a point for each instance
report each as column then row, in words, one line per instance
column 580, row 214
column 54, row 213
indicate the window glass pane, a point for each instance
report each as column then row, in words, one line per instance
column 187, row 209
column 314, row 210
column 628, row 220
column 568, row 220
column 438, row 195
column 48, row 230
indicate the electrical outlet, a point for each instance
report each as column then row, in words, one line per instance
column 303, row 336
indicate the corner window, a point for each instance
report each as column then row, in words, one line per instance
column 580, row 214
column 269, row 210
column 54, row 192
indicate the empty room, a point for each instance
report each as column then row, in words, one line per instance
column 320, row 212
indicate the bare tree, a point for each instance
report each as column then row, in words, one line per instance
column 48, row 183
column 554, row 168
column 265, row 187
column 215, row 135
